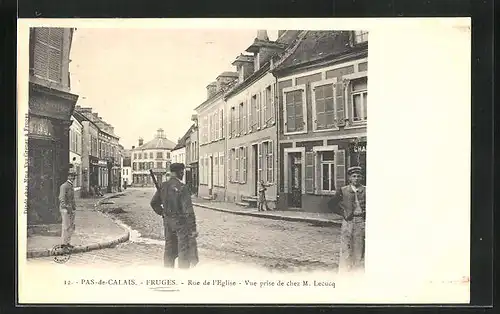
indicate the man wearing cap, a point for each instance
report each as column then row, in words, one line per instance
column 173, row 202
column 351, row 200
column 67, row 207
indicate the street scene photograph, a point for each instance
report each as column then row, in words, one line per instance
column 184, row 147
column 170, row 162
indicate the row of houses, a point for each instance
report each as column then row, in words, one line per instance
column 60, row 133
column 293, row 115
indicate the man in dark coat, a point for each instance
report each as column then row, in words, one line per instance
column 350, row 203
column 173, row 202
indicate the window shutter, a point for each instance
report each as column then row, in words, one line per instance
column 244, row 166
column 230, row 123
column 341, row 102
column 317, row 172
column 237, row 126
column 221, row 121
column 55, row 64
column 243, row 126
column 257, row 118
column 259, row 162
column 237, row 168
column 270, row 169
column 250, row 115
column 340, row 168
column 264, row 108
column 229, row 166
column 273, row 103
column 309, row 175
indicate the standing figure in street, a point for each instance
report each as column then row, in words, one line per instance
column 351, row 200
column 67, row 207
column 172, row 201
column 262, row 196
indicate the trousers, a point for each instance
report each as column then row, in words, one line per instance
column 176, row 243
column 68, row 225
column 352, row 245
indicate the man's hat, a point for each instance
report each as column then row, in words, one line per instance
column 353, row 170
column 71, row 172
column 176, row 167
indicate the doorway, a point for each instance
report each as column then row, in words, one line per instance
column 211, row 178
column 295, row 181
column 255, row 164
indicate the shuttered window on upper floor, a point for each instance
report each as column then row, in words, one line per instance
column 47, row 63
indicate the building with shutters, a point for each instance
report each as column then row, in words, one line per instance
column 251, row 121
column 192, row 177
column 212, row 144
column 51, row 105
column 322, row 99
column 75, row 150
column 105, row 166
column 155, row 155
column 180, row 155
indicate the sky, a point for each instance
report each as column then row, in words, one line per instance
column 140, row 80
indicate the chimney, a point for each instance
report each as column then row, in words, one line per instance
column 225, row 78
column 211, row 89
column 245, row 66
column 280, row 33
column 133, row 146
column 263, row 49
column 141, row 141
column 262, row 35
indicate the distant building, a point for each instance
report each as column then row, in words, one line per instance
column 75, row 150
column 212, row 144
column 108, row 162
column 179, row 154
column 155, row 155
column 322, row 96
column 126, row 167
column 50, row 108
column 192, row 176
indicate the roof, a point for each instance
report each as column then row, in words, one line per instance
column 318, row 45
column 157, row 143
column 182, row 141
column 80, row 118
column 228, row 74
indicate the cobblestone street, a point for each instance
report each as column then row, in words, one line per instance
column 223, row 237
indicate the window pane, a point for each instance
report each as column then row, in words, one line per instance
column 365, row 110
column 329, row 117
column 321, row 123
column 288, row 99
column 360, row 84
column 329, row 104
column 328, row 90
column 328, row 156
column 319, row 92
column 320, row 105
column 325, row 177
column 357, row 106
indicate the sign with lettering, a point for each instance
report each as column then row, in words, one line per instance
column 40, row 126
column 358, row 148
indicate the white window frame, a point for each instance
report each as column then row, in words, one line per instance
column 243, row 165
column 304, row 108
column 332, row 81
column 317, row 162
column 302, row 151
column 270, row 145
column 348, row 110
column 222, row 169
column 215, row 170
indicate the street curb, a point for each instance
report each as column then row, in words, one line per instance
column 90, row 247
column 326, row 222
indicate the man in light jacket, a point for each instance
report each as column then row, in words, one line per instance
column 350, row 203
column 67, row 207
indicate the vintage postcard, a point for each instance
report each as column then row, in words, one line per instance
column 170, row 161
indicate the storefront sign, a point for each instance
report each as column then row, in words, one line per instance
column 359, row 147
column 40, row 126
column 102, row 163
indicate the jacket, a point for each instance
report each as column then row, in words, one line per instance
column 173, row 200
column 343, row 202
column 67, row 197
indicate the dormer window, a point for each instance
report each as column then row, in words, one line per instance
column 360, row 37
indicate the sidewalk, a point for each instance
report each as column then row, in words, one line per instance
column 227, row 207
column 93, row 231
